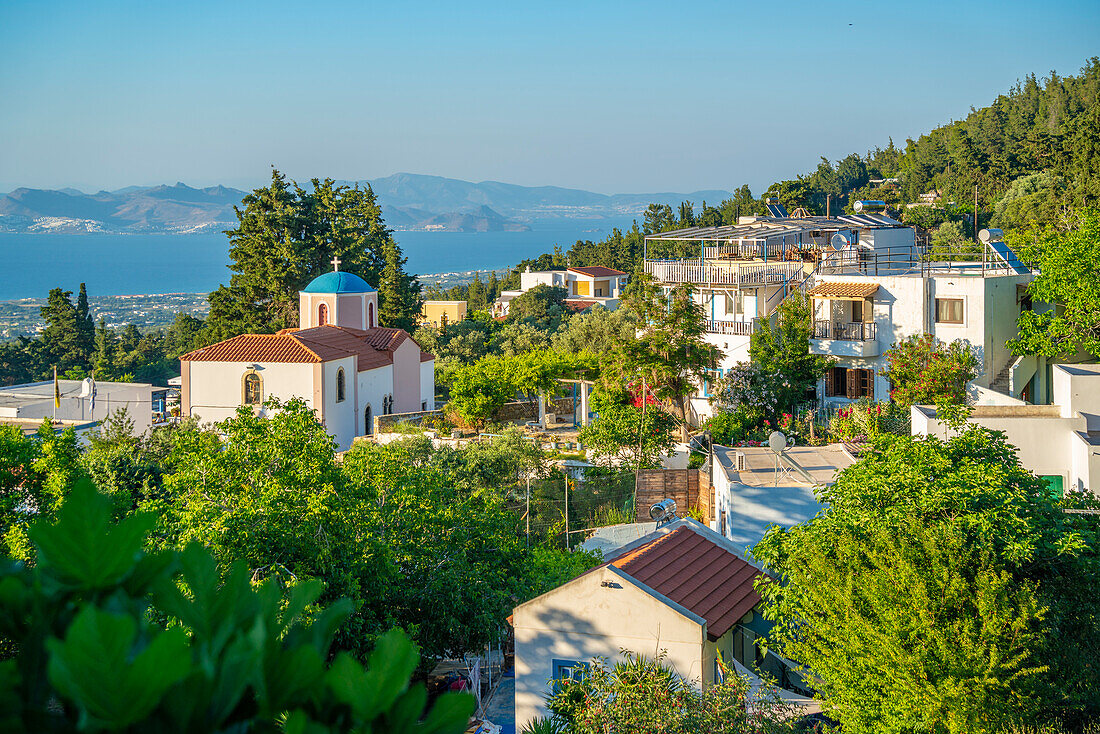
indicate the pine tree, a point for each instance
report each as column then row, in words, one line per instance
column 476, row 297
column 84, row 324
column 398, row 293
column 61, row 338
column 285, row 237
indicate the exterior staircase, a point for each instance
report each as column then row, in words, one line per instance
column 1000, row 383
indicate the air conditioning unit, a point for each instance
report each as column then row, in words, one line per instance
column 740, row 461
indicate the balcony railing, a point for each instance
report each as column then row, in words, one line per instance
column 856, row 331
column 731, row 328
column 705, row 273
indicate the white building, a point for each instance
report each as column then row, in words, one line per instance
column 585, row 287
column 82, row 403
column 743, row 272
column 755, row 489
column 1059, row 442
column 340, row 362
column 864, row 305
column 682, row 589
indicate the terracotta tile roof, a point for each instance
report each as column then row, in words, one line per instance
column 844, row 290
column 425, row 357
column 255, row 348
column 579, row 305
column 697, row 573
column 371, row 347
column 597, row 271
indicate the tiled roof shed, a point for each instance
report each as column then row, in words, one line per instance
column 597, row 271
column 844, row 290
column 696, row 572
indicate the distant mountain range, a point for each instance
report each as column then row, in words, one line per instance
column 409, row 201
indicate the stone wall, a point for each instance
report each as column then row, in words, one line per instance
column 690, row 488
column 383, row 423
column 523, row 410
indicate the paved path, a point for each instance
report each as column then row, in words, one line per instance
column 501, row 709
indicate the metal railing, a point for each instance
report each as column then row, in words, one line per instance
column 855, row 331
column 704, row 273
column 917, row 260
column 731, row 328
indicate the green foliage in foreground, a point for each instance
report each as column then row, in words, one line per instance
column 941, row 590
column 221, row 656
column 1069, row 276
column 639, row 695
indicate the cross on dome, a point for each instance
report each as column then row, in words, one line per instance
column 335, row 264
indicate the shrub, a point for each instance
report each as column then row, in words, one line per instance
column 925, row 371
column 232, row 657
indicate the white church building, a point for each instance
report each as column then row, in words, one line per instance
column 340, row 362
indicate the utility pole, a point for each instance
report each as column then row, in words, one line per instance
column 976, row 212
column 528, row 509
column 567, row 512
column 828, row 207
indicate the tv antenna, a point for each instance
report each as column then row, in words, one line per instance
column 779, row 443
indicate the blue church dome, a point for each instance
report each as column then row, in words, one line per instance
column 338, row 282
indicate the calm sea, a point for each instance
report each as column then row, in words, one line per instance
column 32, row 264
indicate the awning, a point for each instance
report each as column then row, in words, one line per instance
column 844, row 290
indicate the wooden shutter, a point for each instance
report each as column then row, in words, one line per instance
column 870, row 391
column 851, row 384
column 830, row 383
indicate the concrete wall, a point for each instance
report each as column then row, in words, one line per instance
column 406, row 377
column 434, row 311
column 309, row 305
column 215, row 388
column 373, row 386
column 584, row 619
column 340, row 418
column 351, row 310
column 427, row 385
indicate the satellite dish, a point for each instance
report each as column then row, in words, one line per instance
column 777, row 442
column 86, row 387
column 839, row 241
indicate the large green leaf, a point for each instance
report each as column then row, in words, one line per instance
column 112, row 680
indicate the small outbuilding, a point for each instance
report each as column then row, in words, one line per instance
column 682, row 589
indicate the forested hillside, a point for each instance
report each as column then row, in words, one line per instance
column 1033, row 153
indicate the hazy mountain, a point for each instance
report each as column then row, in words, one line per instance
column 409, row 201
column 436, row 193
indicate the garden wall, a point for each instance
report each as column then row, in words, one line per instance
column 690, row 488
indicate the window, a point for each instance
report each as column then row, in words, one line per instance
column 735, row 303
column 949, row 310
column 368, row 424
column 562, row 669
column 857, row 311
column 253, row 389
column 850, row 383
column 340, row 385
column 322, row 314
column 370, row 315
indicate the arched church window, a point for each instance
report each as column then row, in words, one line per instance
column 322, row 314
column 253, row 389
column 368, row 421
column 370, row 315
column 340, row 387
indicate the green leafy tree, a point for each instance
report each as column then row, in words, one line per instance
column 543, row 305
column 949, row 242
column 669, row 354
column 782, row 352
column 1069, row 278
column 623, row 433
column 925, row 371
column 233, row 657
column 942, row 589
column 1031, row 201
column 638, row 695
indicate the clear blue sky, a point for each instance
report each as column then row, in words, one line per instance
column 611, row 97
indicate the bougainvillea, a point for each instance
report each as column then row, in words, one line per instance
column 925, row 371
